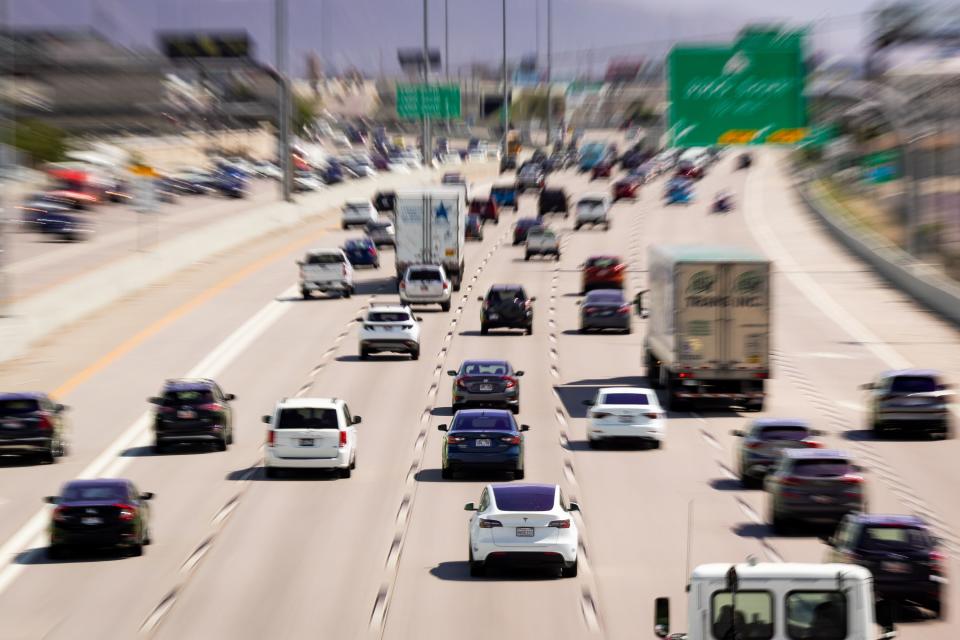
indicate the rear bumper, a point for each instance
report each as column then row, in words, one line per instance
column 543, row 251
column 392, row 346
column 921, row 591
column 111, row 537
column 328, row 285
column 818, row 512
column 439, row 299
column 271, row 459
column 459, row 461
column 533, row 555
column 25, row 445
column 485, row 399
column 605, row 322
column 649, row 432
column 915, row 420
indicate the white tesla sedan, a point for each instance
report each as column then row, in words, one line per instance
column 621, row 413
column 523, row 525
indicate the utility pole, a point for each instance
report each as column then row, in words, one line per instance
column 283, row 116
column 8, row 151
column 506, row 92
column 425, row 137
column 549, row 63
column 446, row 39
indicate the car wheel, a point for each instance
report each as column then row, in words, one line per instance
column 415, row 355
column 576, row 227
column 136, row 550
column 530, row 329
column 778, row 523
column 519, row 474
column 569, row 572
column 446, row 474
column 937, row 610
column 515, row 409
column 445, row 306
column 879, row 431
column 606, row 226
column 477, row 569
column 220, row 445
column 345, row 473
column 484, row 329
column 271, row 472
column 49, row 456
column 159, row 448
column 364, row 354
column 628, row 329
column 594, row 443
column 230, row 436
column 582, row 330
column 656, row 444
column 526, row 256
column 348, row 292
column 376, row 265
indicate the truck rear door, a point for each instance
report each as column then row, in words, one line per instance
column 446, row 237
column 700, row 318
column 410, row 229
column 747, row 325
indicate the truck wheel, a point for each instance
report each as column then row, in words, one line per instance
column 653, row 371
column 305, row 293
column 415, row 354
column 445, row 306
column 364, row 354
column 348, row 292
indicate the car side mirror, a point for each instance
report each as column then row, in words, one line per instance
column 574, row 506
column 441, row 427
column 452, row 373
column 533, row 298
column 588, row 403
column 479, row 298
column 418, row 319
column 51, row 499
column 146, row 495
column 470, row 507
column 737, row 433
column 357, row 420
column 229, row 397
column 155, row 400
column 518, row 373
column 267, row 419
column 867, row 386
column 661, row 617
column 524, row 427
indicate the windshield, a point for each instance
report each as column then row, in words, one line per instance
column 783, row 433
column 505, row 295
column 519, row 498
column 625, row 398
column 424, row 275
column 820, row 615
column 590, row 204
column 324, row 258
column 188, row 396
column 307, row 418
column 19, row 407
column 602, row 263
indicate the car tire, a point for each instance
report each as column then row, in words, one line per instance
column 345, row 473
column 135, row 550
column 606, row 226
column 230, row 436
column 348, row 292
column 569, row 572
column 415, row 355
column 515, row 409
column 593, row 443
column 530, row 329
column 57, row 552
column 582, row 330
column 271, row 472
column 656, row 444
column 364, row 354
column 576, row 227
column 628, row 329
column 526, row 256
column 49, row 456
column 446, row 474
column 778, row 523
column 519, row 474
column 160, row 448
column 477, row 569
column 376, row 265
column 220, row 445
column 484, row 329
column 937, row 609
column 445, row 306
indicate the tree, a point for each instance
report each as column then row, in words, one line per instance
column 42, row 142
column 304, row 113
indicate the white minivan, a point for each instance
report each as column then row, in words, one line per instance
column 325, row 270
column 311, row 433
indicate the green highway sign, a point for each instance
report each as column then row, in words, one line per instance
column 748, row 92
column 431, row 100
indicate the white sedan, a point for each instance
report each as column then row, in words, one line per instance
column 621, row 413
column 523, row 525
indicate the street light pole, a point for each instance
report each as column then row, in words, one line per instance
column 283, row 117
column 446, row 39
column 506, row 100
column 549, row 63
column 426, row 76
column 8, row 126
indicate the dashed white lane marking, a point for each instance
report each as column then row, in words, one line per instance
column 828, row 356
column 852, row 406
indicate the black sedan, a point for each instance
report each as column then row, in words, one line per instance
column 31, row 424
column 486, row 383
column 99, row 513
column 483, row 440
column 605, row 309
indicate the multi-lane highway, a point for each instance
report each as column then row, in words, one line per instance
column 384, row 553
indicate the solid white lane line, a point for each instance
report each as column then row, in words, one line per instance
column 110, row 461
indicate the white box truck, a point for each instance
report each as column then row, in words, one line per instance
column 780, row 601
column 708, row 336
column 430, row 227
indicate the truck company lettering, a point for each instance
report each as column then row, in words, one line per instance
column 725, row 301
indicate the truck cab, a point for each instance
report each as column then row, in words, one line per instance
column 779, row 601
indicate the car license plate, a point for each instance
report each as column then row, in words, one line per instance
column 494, row 316
column 822, row 499
column 91, row 521
column 186, row 414
column 306, row 442
column 423, row 287
column 626, row 419
column 482, row 442
column 486, row 387
column 895, row 567
column 606, row 313
column 524, row 532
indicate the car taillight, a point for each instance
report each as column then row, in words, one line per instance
column 624, row 309
column 761, row 375
column 851, row 479
column 510, row 439
column 620, row 267
column 372, row 251
column 485, row 305
column 937, row 561
column 165, row 409
column 127, row 512
column 559, row 524
column 455, row 439
column 812, row 444
column 461, row 383
column 403, row 285
column 653, row 415
column 343, row 439
column 59, row 515
column 510, row 382
column 271, row 437
column 791, row 481
column 753, row 445
column 489, row 524
column 685, row 374
column 45, row 423
column 446, row 285
column 211, row 406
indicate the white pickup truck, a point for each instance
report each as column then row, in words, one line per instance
column 325, row 270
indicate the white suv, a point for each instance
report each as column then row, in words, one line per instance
column 426, row 284
column 311, row 433
column 592, row 209
column 358, row 213
column 389, row 328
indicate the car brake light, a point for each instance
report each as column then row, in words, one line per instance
column 850, row 478
column 791, row 481
column 455, row 439
column 937, row 561
column 619, row 267
column 271, row 437
column 461, row 383
column 624, row 309
column 813, row 444
column 403, row 285
column 127, row 512
column 559, row 524
column 343, row 439
column 753, row 445
column 489, row 524
column 511, row 382
column 446, row 285
column 59, row 514
column 372, row 251
column 211, row 406
column 45, row 423
column 510, row 439
column 685, row 374
column 761, row 375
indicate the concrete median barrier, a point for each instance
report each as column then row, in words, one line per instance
column 923, row 283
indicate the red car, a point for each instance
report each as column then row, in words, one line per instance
column 486, row 208
column 626, row 188
column 689, row 170
column 602, row 170
column 603, row 272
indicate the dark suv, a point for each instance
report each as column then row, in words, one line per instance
column 814, row 485
column 901, row 553
column 192, row 411
column 553, row 201
column 31, row 424
column 507, row 306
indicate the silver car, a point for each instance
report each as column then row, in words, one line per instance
column 909, row 399
column 381, row 233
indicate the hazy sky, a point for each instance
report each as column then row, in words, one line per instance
column 366, row 32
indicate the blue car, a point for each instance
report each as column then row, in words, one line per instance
column 230, row 185
column 361, row 252
column 679, row 191
column 505, row 195
column 483, row 440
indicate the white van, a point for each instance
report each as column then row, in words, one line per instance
column 311, row 433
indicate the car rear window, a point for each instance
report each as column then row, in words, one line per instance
column 485, row 369
column 913, row 384
column 307, row 418
column 388, row 316
column 625, row 398
column 324, row 258
column 506, row 295
column 75, row 493
column 602, row 263
column 524, row 498
column 527, row 223
column 188, row 396
column 881, row 538
column 783, row 433
column 357, row 244
column 498, row 422
column 18, row 407
column 611, row 296
column 590, row 204
column 821, row 468
column 378, row 225
column 424, row 275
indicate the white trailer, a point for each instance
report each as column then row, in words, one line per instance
column 430, row 229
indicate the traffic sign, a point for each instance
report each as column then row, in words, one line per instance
column 431, row 100
column 748, row 92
